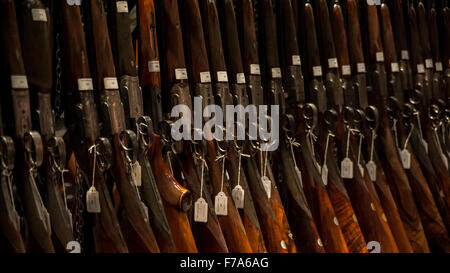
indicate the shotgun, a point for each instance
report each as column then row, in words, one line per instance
column 137, row 230
column 35, row 18
column 131, row 94
column 247, row 231
column 28, row 143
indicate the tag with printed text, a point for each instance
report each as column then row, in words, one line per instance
column 238, row 196
column 372, row 170
column 405, row 156
column 221, row 204
column 93, row 201
column 201, row 211
column 347, row 168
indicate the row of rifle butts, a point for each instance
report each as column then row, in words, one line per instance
column 86, row 152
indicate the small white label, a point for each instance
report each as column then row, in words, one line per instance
column 371, row 2
column 254, row 69
column 122, row 6
column 439, row 67
column 205, row 77
column 405, row 55
column 283, row 244
column 347, row 168
column 296, row 60
column 421, row 68
column 333, row 63
column 361, row 67
column 336, row 221
column 372, row 170
column 361, row 169
column 406, row 159
column 19, row 82
column 93, row 201
column 267, row 184
column 222, row 76
column 317, row 71
column 240, row 78
column 201, row 211
column 73, row 2
column 238, row 196
column 110, row 83
column 380, row 57
column 325, row 174
column 153, row 66
column 395, row 67
column 346, row 70
column 276, row 72
column 429, row 63
column 181, row 74
column 85, row 84
column 221, row 204
column 39, row 15
column 136, row 174
column 299, row 174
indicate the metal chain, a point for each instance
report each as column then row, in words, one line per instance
column 58, row 85
column 79, row 207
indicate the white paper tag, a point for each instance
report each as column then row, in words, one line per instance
column 395, row 67
column 429, row 63
column 267, row 184
column 73, row 2
column 421, row 68
column 122, row 6
column 39, row 15
column 405, row 55
column 221, row 204
column 110, row 83
column 361, row 67
column 296, row 60
column 254, row 69
column 19, row 82
column 406, row 159
column 85, row 84
column 371, row 2
column 153, row 66
column 145, row 211
column 181, row 74
column 240, row 78
column 439, row 67
column 205, row 77
column 222, row 76
column 372, row 170
column 325, row 174
column 380, row 57
column 347, row 168
column 93, row 201
column 361, row 169
column 333, row 63
column 136, row 174
column 299, row 174
column 317, row 71
column 276, row 72
column 346, row 70
column 238, row 196
column 201, row 211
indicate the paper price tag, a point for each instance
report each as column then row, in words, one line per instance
column 181, row 74
column 372, row 170
column 110, row 83
column 317, row 71
column 205, row 77
column 325, row 174
column 296, row 60
column 19, row 82
column 371, row 2
column 85, row 84
column 421, row 68
column 361, row 67
column 221, row 204
column 406, row 159
column 380, row 57
column 347, row 168
column 73, row 2
column 39, row 15
column 255, row 69
column 136, row 174
column 93, row 201
column 201, row 211
column 222, row 76
column 439, row 67
column 122, row 6
column 395, row 67
column 153, row 66
column 333, row 63
column 405, row 55
column 299, row 174
column 267, row 184
column 240, row 78
column 429, row 63
column 346, row 70
column 276, row 72
column 238, row 196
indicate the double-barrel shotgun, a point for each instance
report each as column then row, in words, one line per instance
column 29, row 147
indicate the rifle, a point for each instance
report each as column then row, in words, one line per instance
column 131, row 95
column 28, row 143
column 248, row 236
column 35, row 18
column 106, row 230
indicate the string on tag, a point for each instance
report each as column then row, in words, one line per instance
column 348, row 144
column 292, row 144
column 325, row 156
column 223, row 158
column 93, row 149
column 359, row 147
column 405, row 147
column 372, row 144
column 394, row 129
